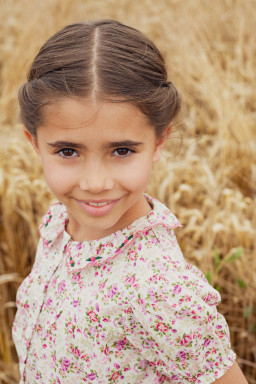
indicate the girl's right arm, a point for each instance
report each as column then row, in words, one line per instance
column 233, row 376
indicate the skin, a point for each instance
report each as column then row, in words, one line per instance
column 98, row 153
column 233, row 376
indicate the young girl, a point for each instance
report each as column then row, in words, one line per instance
column 110, row 298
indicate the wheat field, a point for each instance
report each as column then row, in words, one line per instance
column 207, row 175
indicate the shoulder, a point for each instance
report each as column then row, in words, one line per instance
column 155, row 230
column 53, row 223
column 153, row 248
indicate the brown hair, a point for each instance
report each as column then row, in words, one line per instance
column 103, row 59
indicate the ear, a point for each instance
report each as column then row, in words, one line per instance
column 33, row 140
column 160, row 144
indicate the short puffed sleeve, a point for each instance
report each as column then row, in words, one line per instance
column 175, row 325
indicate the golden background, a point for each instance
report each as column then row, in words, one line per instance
column 208, row 174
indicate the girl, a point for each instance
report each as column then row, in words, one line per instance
column 110, row 298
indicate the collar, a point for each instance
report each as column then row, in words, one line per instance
column 96, row 252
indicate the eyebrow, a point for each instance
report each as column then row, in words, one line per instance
column 124, row 143
column 61, row 144
column 114, row 144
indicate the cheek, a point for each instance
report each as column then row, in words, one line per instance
column 137, row 176
column 58, row 179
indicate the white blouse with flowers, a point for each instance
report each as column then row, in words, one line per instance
column 124, row 309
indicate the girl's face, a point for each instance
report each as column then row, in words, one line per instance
column 97, row 160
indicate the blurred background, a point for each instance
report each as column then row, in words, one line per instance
column 207, row 175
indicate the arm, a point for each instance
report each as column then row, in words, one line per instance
column 233, row 376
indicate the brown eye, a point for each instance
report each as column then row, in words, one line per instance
column 67, row 152
column 123, row 152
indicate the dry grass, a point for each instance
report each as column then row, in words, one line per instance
column 210, row 183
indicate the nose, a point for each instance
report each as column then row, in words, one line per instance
column 95, row 178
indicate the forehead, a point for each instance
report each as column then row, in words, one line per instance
column 71, row 113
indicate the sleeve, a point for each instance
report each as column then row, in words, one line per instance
column 177, row 328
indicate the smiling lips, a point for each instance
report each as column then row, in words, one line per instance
column 98, row 204
column 97, row 208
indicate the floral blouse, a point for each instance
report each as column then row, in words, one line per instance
column 123, row 309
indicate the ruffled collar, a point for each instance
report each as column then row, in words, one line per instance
column 96, row 252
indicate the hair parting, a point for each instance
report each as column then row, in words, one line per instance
column 101, row 60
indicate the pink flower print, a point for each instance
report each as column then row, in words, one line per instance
column 99, row 249
column 220, row 334
column 130, row 280
column 132, row 255
column 206, row 342
column 97, row 307
column 162, row 327
column 76, row 277
column 208, row 365
column 47, row 221
column 76, row 351
column 143, row 363
column 176, row 289
column 75, row 303
column 218, row 326
column 192, row 380
column 128, row 310
column 49, row 302
column 91, row 376
column 121, row 344
column 70, row 327
column 194, row 335
column 161, row 266
column 209, row 297
column 181, row 355
column 153, row 297
column 61, row 287
column 117, row 366
column 76, row 368
column 65, row 364
column 186, row 340
column 115, row 376
column 139, row 247
column 153, row 278
column 79, row 246
column 106, row 351
column 92, row 330
column 102, row 286
column 141, row 301
column 113, row 291
column 93, row 317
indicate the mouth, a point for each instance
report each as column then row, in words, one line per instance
column 98, row 204
column 97, row 207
